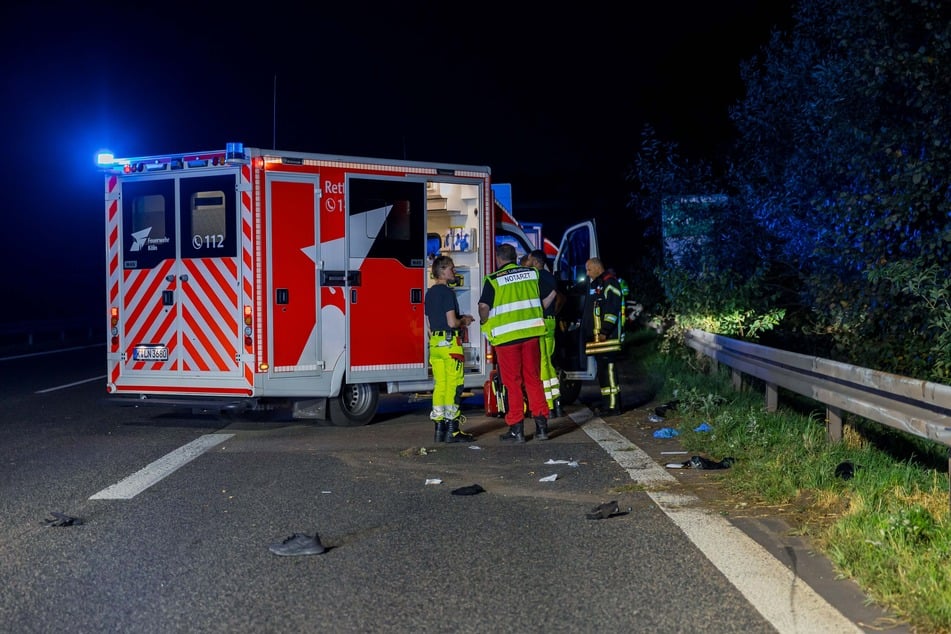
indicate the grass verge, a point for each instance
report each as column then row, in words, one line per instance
column 887, row 526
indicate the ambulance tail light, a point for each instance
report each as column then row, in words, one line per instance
column 114, row 328
column 490, row 356
column 248, row 331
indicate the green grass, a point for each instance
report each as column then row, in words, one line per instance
column 887, row 528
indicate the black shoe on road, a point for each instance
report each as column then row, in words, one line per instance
column 298, row 544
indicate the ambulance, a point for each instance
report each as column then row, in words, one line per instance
column 247, row 279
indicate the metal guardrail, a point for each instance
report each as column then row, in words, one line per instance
column 910, row 405
column 33, row 333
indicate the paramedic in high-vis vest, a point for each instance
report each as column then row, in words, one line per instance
column 445, row 325
column 513, row 320
column 603, row 326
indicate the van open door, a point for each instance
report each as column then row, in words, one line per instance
column 578, row 244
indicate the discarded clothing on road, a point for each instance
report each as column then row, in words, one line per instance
column 699, row 462
column 61, row 519
column 472, row 489
column 661, row 410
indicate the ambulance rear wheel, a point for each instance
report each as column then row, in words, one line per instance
column 355, row 405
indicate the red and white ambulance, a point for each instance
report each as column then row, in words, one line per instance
column 248, row 279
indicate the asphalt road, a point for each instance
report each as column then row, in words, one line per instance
column 189, row 551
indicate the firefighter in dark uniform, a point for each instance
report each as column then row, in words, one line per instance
column 602, row 324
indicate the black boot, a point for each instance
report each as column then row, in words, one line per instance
column 557, row 412
column 541, row 428
column 454, row 434
column 441, row 428
column 515, row 432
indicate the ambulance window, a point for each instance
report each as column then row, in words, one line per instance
column 574, row 254
column 148, row 212
column 397, row 225
column 148, row 234
column 387, row 219
column 521, row 249
column 208, row 218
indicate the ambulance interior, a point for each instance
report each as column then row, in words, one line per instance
column 452, row 228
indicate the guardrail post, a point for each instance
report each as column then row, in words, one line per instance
column 772, row 397
column 737, row 380
column 834, row 424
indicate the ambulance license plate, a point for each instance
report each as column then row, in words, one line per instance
column 150, row 352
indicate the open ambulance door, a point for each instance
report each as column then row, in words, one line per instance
column 578, row 244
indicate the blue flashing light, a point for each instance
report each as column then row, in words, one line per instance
column 105, row 158
column 234, row 152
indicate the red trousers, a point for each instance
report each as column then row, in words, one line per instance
column 519, row 365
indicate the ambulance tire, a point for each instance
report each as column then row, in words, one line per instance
column 355, row 405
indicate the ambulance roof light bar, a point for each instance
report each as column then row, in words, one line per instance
column 234, row 155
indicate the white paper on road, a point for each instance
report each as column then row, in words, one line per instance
column 570, row 463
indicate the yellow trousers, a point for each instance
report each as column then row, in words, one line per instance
column 446, row 360
column 549, row 374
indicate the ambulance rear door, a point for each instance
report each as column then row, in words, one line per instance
column 179, row 281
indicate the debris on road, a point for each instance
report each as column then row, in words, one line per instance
column 472, row 489
column 61, row 519
column 699, row 462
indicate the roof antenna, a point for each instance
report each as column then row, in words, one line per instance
column 274, row 133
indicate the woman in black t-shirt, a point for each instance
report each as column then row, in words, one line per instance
column 446, row 358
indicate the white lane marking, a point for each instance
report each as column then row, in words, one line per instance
column 63, row 387
column 785, row 600
column 144, row 478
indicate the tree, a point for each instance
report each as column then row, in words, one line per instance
column 843, row 159
column 712, row 275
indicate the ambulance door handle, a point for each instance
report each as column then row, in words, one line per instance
column 353, row 296
column 168, row 298
column 416, row 296
column 183, row 278
column 282, row 296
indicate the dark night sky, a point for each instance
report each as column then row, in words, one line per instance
column 553, row 100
